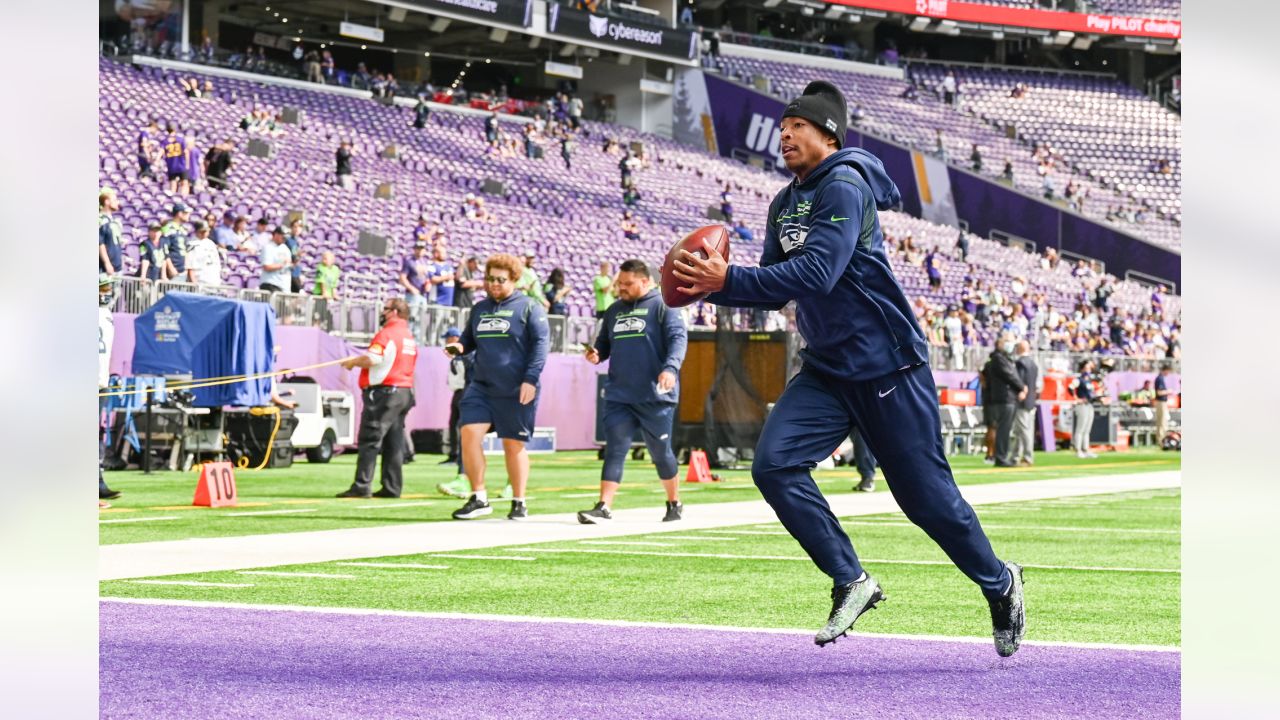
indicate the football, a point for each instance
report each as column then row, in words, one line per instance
column 699, row 242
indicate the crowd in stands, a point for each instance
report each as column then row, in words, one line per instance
column 236, row 238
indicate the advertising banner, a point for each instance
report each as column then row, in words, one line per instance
column 933, row 183
column 509, row 12
column 1080, row 23
column 622, row 33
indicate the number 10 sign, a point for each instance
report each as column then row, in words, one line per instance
column 217, row 487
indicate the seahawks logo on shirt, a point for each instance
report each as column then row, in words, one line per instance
column 493, row 325
column 792, row 236
column 628, row 325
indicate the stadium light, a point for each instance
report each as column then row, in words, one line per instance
column 772, row 3
column 1063, row 37
column 833, row 12
column 997, row 34
column 920, row 23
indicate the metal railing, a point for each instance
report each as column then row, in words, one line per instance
column 973, row 357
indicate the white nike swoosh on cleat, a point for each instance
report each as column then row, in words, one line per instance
column 886, row 392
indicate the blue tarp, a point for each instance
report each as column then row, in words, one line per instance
column 208, row 337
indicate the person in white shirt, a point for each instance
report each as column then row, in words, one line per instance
column 204, row 262
column 276, row 260
column 949, row 88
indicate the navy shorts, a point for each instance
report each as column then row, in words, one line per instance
column 510, row 419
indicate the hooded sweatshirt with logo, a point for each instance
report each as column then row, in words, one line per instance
column 640, row 339
column 510, row 339
column 823, row 248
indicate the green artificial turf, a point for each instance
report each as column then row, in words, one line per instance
column 562, row 482
column 1129, row 532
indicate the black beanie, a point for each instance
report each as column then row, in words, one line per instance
column 822, row 104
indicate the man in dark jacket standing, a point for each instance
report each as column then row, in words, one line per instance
column 1006, row 390
column 1024, row 415
column 865, row 367
column 645, row 343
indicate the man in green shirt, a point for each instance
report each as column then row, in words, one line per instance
column 602, row 284
column 529, row 281
column 326, row 289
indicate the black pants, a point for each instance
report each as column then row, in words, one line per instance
column 455, row 449
column 1002, row 421
column 382, row 433
column 862, row 457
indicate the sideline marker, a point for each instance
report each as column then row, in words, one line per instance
column 699, row 469
column 217, row 485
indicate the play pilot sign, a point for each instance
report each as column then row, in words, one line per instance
column 622, row 33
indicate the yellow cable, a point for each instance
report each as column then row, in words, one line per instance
column 243, row 462
column 225, row 380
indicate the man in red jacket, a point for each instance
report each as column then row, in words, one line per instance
column 386, row 381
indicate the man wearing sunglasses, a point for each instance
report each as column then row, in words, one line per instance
column 507, row 331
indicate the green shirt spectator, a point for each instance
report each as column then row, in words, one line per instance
column 529, row 281
column 327, row 274
column 602, row 284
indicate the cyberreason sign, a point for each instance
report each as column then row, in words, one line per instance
column 622, row 33
column 1099, row 23
column 511, row 12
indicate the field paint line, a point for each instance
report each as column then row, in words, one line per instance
column 117, row 510
column 518, row 558
column 285, row 573
column 984, row 640
column 417, row 537
column 136, row 519
column 407, row 566
column 192, row 583
column 747, row 532
column 1056, row 528
column 392, row 506
column 699, row 538
column 176, row 507
column 270, row 512
column 625, row 542
column 302, row 502
column 803, row 558
column 581, row 495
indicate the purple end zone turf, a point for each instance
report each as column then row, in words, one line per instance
column 188, row 662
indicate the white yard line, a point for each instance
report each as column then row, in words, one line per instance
column 518, row 558
column 611, row 623
column 284, row 573
column 642, row 543
column 393, row 506
column 152, row 559
column 192, row 583
column 137, row 519
column 407, row 566
column 699, row 538
column 1054, row 528
column 748, row 532
column 802, row 558
column 270, row 512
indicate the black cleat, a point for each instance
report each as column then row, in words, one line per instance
column 1008, row 615
column 596, row 515
column 108, row 494
column 674, row 510
column 518, row 511
column 867, row 485
column 352, row 493
column 384, row 493
column 848, row 602
column 473, row 509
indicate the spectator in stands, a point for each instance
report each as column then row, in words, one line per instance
column 443, row 275
column 953, row 335
column 566, row 150
column 627, row 166
column 276, row 261
column 631, row 195
column 975, row 158
column 148, row 143
column 962, row 244
column 421, row 113
column 193, row 89
column 110, row 248
column 949, row 88
column 857, row 114
column 325, row 288
column 217, row 163
column 1024, row 431
column 415, row 278
column 311, row 66
column 630, row 228
column 491, row 128
column 204, row 262
column 224, row 233
column 742, row 232
column 343, row 161
column 294, row 242
column 467, row 281
column 1007, row 173
column 529, row 283
column 152, row 255
column 175, row 159
column 555, row 291
column 532, row 150
column 686, row 15
column 933, row 268
column 940, row 145
column 911, row 93
column 726, row 204
column 327, row 67
column 602, row 288
column 175, row 240
column 575, row 113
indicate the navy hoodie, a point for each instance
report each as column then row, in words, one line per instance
column 643, row 338
column 823, row 248
column 510, row 339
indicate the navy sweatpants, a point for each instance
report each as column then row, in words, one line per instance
column 620, row 424
column 898, row 417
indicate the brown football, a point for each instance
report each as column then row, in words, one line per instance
column 700, row 242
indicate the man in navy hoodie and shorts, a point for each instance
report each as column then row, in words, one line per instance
column 865, row 367
column 507, row 331
column 644, row 342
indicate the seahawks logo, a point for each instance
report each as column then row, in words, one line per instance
column 792, row 236
column 493, row 325
column 628, row 325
